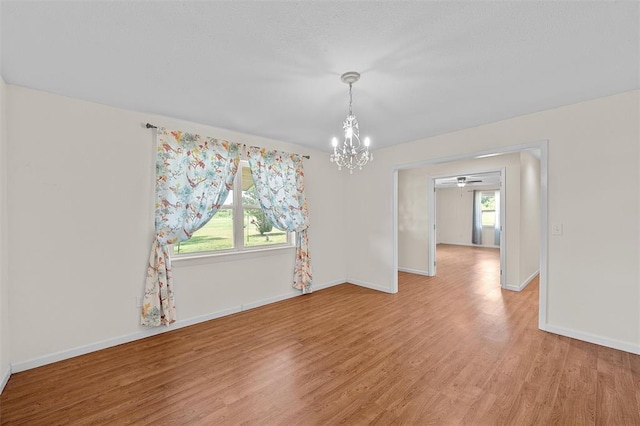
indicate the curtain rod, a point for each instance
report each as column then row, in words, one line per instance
column 151, row 126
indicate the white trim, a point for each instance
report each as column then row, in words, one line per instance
column 542, row 145
column 5, row 378
column 394, row 233
column 414, row 271
column 630, row 347
column 471, row 155
column 432, row 232
column 544, row 237
column 148, row 332
column 528, row 280
column 522, row 284
column 432, row 226
column 328, row 284
column 371, row 286
column 274, row 299
column 471, row 245
column 285, row 296
column 503, row 227
column 178, row 261
column 92, row 347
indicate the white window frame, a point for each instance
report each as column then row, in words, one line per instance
column 493, row 194
column 237, row 209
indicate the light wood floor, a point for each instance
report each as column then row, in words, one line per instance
column 453, row 349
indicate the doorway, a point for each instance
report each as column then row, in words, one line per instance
column 471, row 208
column 425, row 250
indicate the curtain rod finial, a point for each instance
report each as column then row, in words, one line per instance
column 150, row 126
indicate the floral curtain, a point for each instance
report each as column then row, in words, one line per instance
column 279, row 180
column 193, row 177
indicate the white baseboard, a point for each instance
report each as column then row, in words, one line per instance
column 414, row 271
column 5, row 378
column 528, row 280
column 522, row 284
column 470, row 245
column 369, row 285
column 148, row 332
column 258, row 303
column 328, row 284
column 289, row 295
column 143, row 333
column 633, row 348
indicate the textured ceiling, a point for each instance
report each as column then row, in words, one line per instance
column 273, row 68
column 488, row 179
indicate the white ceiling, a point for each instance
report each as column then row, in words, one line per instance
column 488, row 179
column 273, row 68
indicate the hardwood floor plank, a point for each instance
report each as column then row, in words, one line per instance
column 615, row 383
column 575, row 401
column 450, row 349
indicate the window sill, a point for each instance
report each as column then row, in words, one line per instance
column 203, row 259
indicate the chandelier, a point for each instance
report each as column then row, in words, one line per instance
column 351, row 153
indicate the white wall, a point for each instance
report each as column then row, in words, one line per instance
column 454, row 216
column 593, row 279
column 417, row 178
column 4, row 253
column 413, row 226
column 81, row 214
column 78, row 262
column 530, row 216
column 5, row 368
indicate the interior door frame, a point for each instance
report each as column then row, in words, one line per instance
column 432, row 219
column 543, row 147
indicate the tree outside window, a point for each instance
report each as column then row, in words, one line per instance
column 488, row 201
column 238, row 225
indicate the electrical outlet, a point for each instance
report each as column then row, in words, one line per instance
column 556, row 229
column 138, row 301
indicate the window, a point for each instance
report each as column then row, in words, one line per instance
column 488, row 202
column 238, row 225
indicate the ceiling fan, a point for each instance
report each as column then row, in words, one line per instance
column 461, row 181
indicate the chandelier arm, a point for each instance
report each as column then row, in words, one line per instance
column 352, row 152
